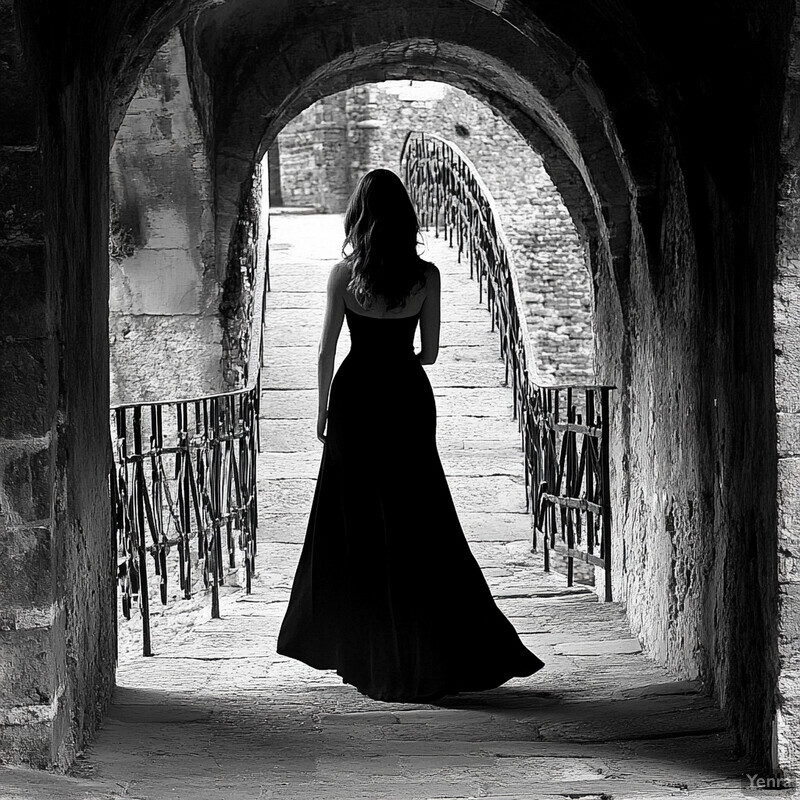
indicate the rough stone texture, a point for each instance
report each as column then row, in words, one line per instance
column 57, row 633
column 27, row 411
column 318, row 166
column 329, row 146
column 216, row 713
column 242, row 278
column 165, row 331
column 29, row 690
column 786, row 305
column 693, row 459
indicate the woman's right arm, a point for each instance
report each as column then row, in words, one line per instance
column 430, row 318
column 331, row 326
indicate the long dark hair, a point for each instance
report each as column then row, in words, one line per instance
column 381, row 229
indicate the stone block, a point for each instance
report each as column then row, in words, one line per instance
column 789, row 619
column 611, row 647
column 21, row 203
column 148, row 353
column 788, row 434
column 25, row 480
column 26, row 677
column 25, row 566
column 27, row 403
column 29, row 743
column 23, row 287
column 17, row 101
column 788, row 519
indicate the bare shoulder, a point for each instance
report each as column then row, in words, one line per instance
column 339, row 276
column 431, row 273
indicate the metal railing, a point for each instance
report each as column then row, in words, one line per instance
column 184, row 479
column 564, row 429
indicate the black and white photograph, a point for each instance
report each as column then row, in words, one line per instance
column 399, row 400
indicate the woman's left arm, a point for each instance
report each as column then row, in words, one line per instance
column 331, row 327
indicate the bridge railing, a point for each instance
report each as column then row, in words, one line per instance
column 183, row 486
column 564, row 429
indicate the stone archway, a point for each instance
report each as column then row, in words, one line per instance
column 674, row 162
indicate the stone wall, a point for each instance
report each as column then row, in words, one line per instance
column 688, row 343
column 315, row 157
column 165, row 330
column 786, row 305
column 330, row 145
column 57, row 594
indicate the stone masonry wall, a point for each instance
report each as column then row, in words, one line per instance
column 329, row 146
column 31, row 626
column 165, row 331
column 57, row 598
column 688, row 345
column 786, row 304
column 315, row 162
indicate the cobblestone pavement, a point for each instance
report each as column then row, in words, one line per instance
column 216, row 713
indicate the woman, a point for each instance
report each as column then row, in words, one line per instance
column 387, row 591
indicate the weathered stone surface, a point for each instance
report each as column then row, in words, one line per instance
column 786, row 321
column 25, row 566
column 23, row 215
column 166, row 337
column 26, row 669
column 24, row 293
column 27, row 404
column 588, row 648
column 184, row 363
column 17, row 98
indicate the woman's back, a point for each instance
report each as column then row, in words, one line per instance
column 423, row 302
column 378, row 308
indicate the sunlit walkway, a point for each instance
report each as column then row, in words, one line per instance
column 216, row 713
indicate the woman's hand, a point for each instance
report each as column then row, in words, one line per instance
column 322, row 418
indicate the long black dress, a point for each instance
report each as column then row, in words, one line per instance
column 387, row 591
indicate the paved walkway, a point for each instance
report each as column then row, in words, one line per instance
column 216, row 713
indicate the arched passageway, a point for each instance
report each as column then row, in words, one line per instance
column 662, row 139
